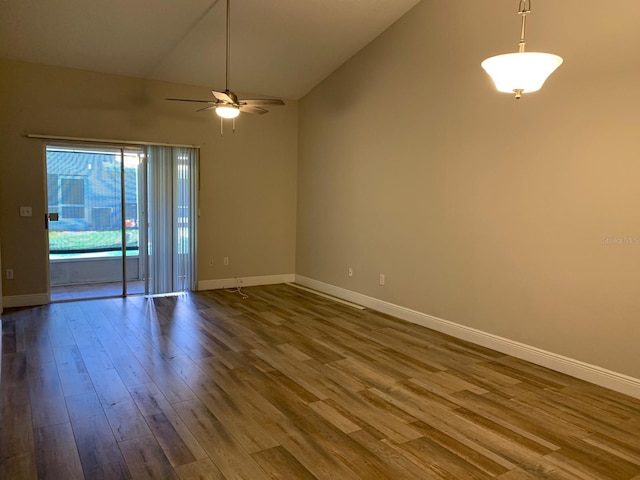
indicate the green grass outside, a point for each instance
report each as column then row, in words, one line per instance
column 90, row 240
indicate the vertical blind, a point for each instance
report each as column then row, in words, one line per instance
column 172, row 206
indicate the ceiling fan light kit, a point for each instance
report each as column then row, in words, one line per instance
column 521, row 72
column 227, row 111
column 226, row 104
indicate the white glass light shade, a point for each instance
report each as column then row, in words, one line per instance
column 227, row 111
column 524, row 71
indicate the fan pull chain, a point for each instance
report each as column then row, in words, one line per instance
column 233, row 126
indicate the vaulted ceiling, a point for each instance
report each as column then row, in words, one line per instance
column 284, row 48
column 278, row 47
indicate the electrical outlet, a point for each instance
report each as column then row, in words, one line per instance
column 225, row 260
column 350, row 272
column 9, row 273
column 382, row 279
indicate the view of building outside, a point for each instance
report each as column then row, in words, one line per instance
column 84, row 189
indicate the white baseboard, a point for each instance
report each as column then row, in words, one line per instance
column 330, row 297
column 584, row 371
column 245, row 281
column 31, row 300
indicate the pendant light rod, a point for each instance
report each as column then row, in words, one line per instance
column 226, row 85
column 523, row 10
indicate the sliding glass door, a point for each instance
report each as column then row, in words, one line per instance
column 121, row 220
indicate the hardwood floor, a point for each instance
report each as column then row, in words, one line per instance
column 287, row 385
column 64, row 293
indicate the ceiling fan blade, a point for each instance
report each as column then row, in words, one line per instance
column 188, row 100
column 206, row 108
column 261, row 101
column 224, row 96
column 253, row 109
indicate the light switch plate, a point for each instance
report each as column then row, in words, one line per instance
column 25, row 211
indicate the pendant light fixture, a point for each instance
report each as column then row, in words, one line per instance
column 521, row 72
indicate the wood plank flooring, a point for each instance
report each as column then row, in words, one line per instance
column 287, row 385
column 65, row 293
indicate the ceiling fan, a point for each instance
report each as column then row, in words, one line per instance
column 227, row 104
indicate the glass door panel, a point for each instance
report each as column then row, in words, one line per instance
column 93, row 221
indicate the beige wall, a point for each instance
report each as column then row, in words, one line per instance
column 248, row 179
column 478, row 208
